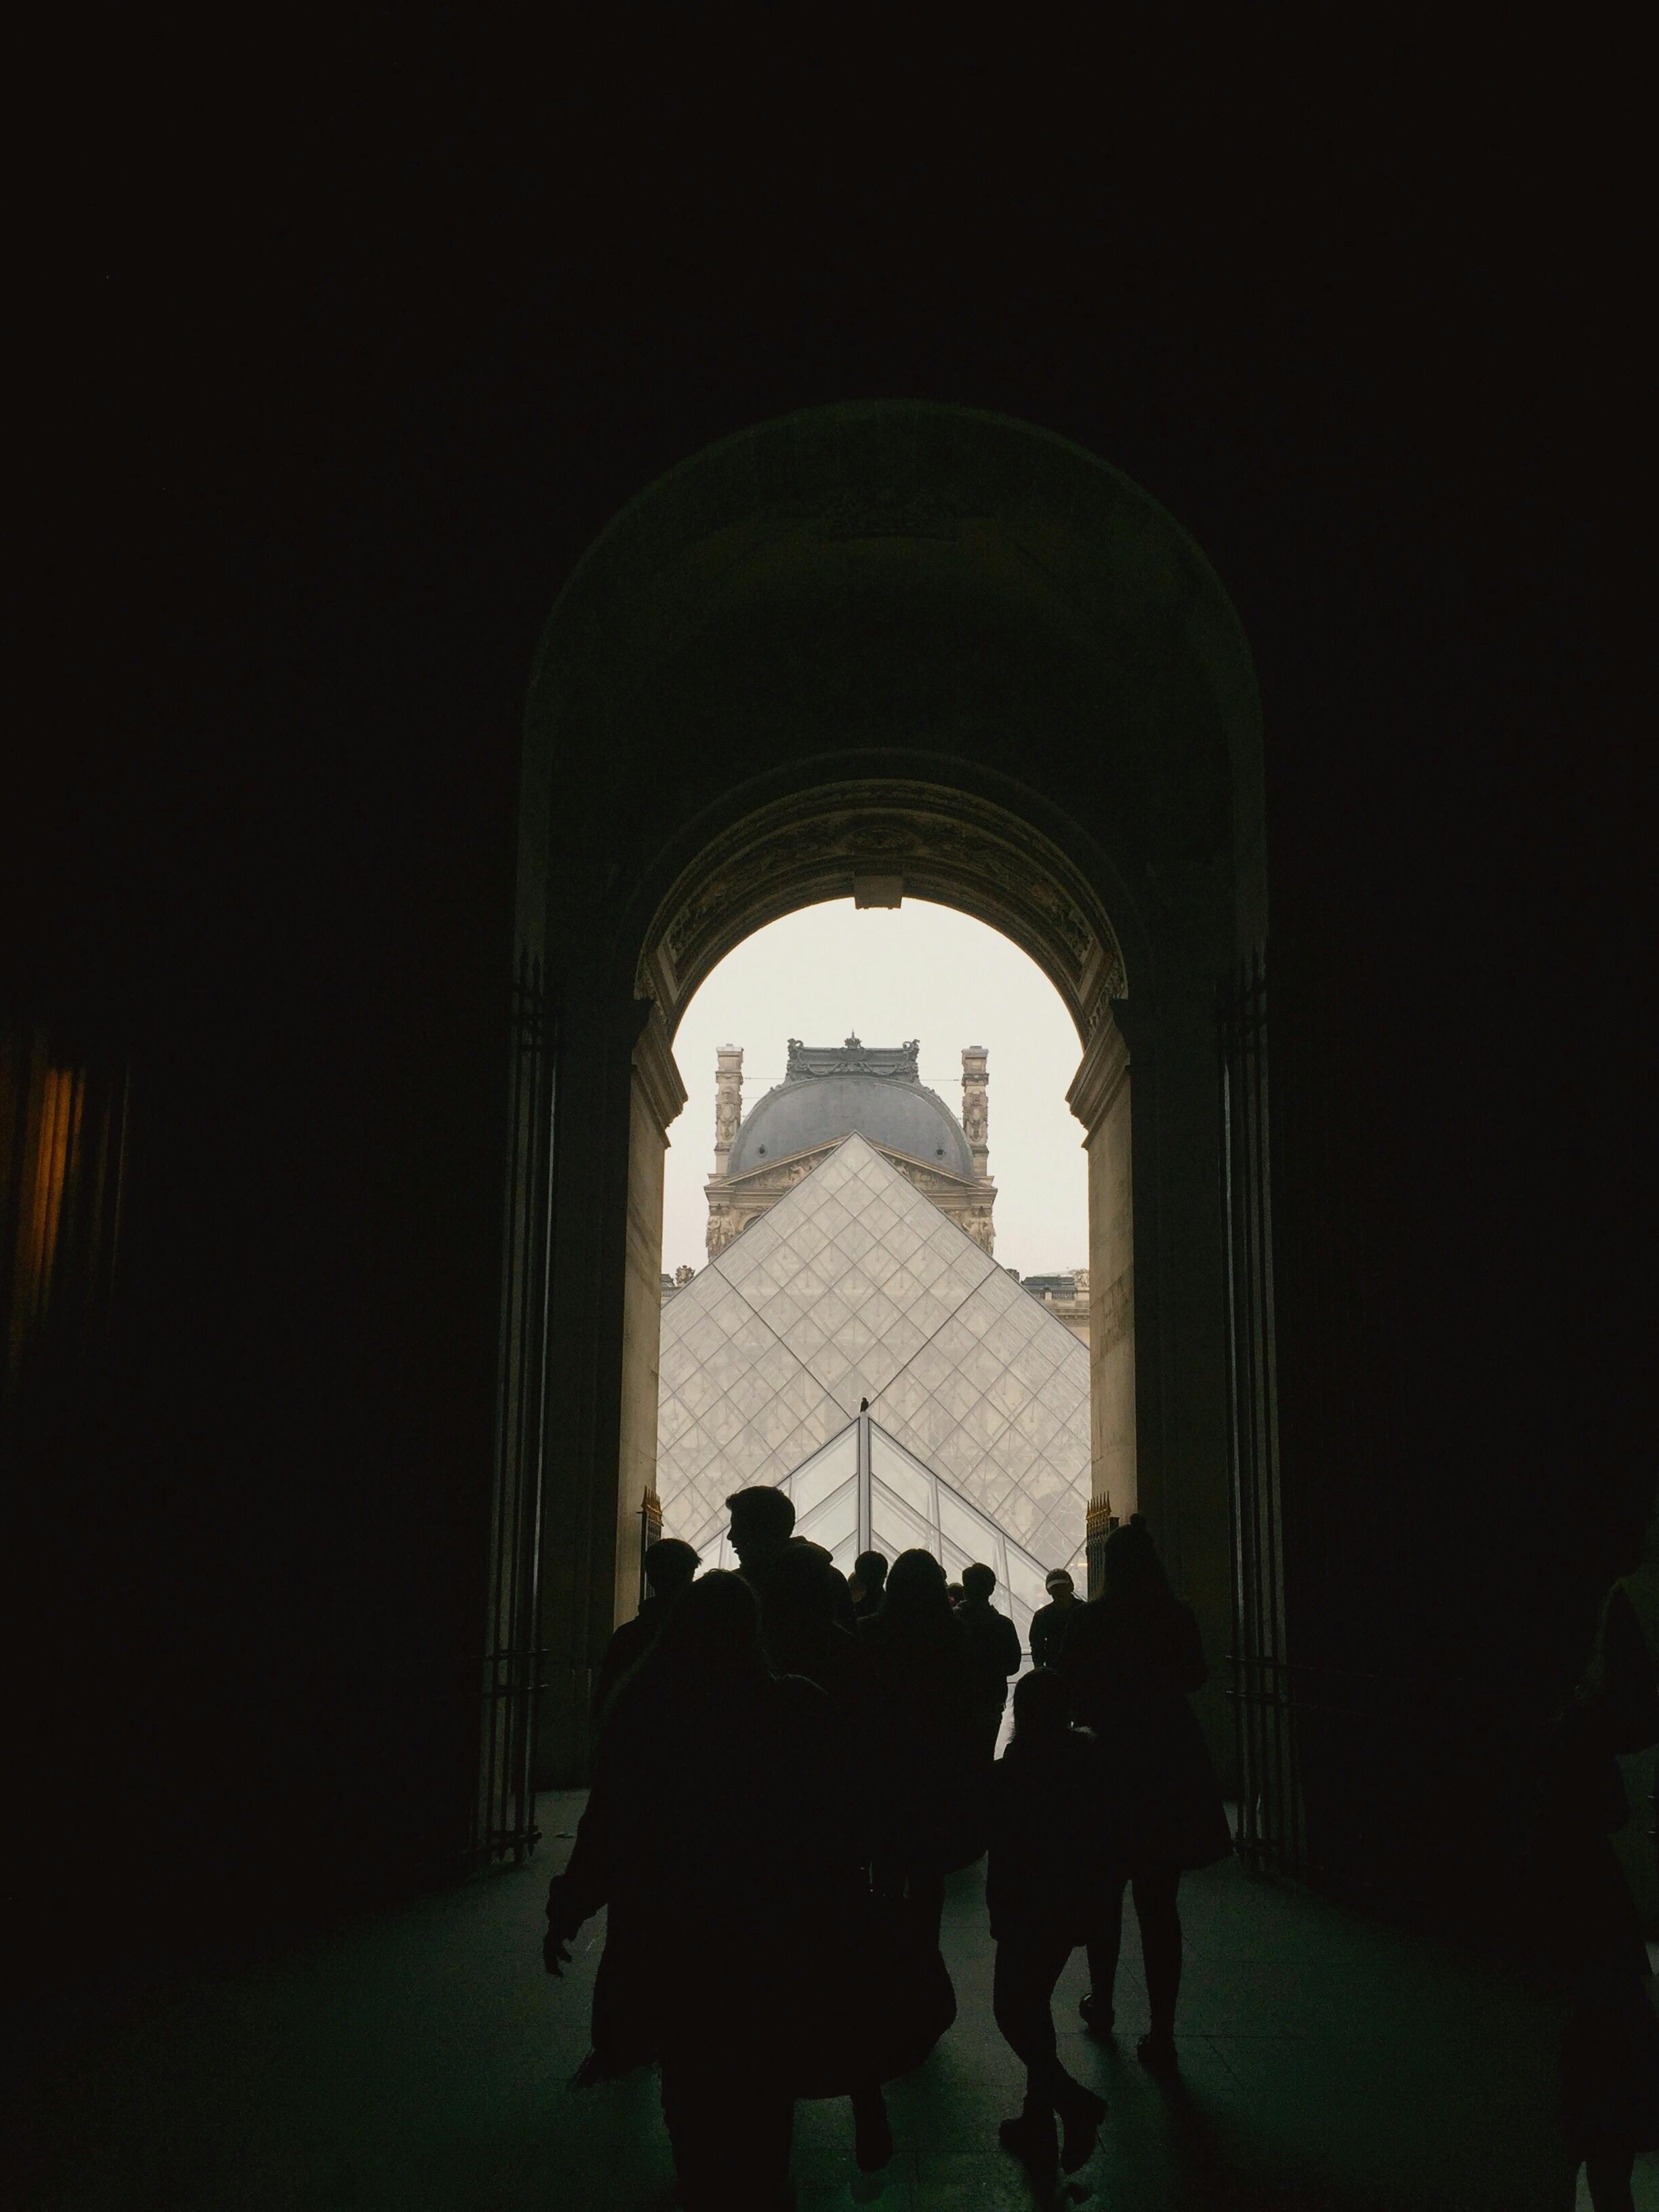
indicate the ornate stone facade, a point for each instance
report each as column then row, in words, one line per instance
column 829, row 1092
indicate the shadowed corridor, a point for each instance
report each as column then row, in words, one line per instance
column 418, row 2059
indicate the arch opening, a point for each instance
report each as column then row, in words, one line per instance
column 880, row 648
column 879, row 842
column 895, row 1225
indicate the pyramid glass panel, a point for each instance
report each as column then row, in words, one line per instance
column 854, row 1286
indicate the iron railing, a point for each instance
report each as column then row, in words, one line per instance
column 513, row 1665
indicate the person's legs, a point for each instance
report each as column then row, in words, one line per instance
column 1105, row 1936
column 924, row 1890
column 1155, row 1890
column 1611, row 2177
column 872, row 2131
column 1023, row 1990
column 1020, row 1990
column 730, row 2134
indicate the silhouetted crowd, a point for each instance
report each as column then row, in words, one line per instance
column 790, row 1764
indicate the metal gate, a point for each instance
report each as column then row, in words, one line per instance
column 1272, row 1828
column 504, row 1818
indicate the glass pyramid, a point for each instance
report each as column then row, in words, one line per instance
column 864, row 1492
column 855, row 1287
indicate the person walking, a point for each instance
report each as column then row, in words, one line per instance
column 670, row 1567
column 1042, row 1872
column 716, row 1832
column 763, row 1530
column 914, row 1742
column 803, row 1635
column 993, row 1655
column 1048, row 1621
column 868, row 1584
column 1132, row 1657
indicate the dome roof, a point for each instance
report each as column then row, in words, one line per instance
column 811, row 1109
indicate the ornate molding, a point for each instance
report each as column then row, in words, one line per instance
column 1102, row 1072
column 655, row 1073
column 944, row 844
column 899, row 1062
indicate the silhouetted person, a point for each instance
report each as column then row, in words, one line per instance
column 763, row 1530
column 868, row 1584
column 762, row 1522
column 914, row 1741
column 670, row 1566
column 953, row 1591
column 1132, row 1656
column 1041, row 1882
column 803, row 1635
column 716, row 1834
column 1610, row 2047
column 992, row 1643
column 1048, row 1622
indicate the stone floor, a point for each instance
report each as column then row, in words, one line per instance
column 419, row 2060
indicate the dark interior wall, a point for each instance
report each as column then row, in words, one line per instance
column 304, row 527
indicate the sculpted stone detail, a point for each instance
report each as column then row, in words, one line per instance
column 942, row 844
column 728, row 1100
column 899, row 1063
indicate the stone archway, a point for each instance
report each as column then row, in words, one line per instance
column 869, row 648
column 878, row 841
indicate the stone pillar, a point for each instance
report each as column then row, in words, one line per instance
column 1099, row 1096
column 656, row 1096
column 976, row 1106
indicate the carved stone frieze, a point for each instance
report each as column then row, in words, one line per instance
column 943, row 844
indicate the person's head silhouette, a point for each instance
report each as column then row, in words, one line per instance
column 762, row 1522
column 978, row 1582
column 915, row 1592
column 714, row 1630
column 670, row 1566
column 869, row 1572
column 801, row 1585
column 1043, row 1706
column 1130, row 1569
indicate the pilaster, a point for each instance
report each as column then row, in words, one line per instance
column 1099, row 1096
column 656, row 1097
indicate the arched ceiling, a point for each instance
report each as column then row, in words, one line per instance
column 885, row 838
column 914, row 582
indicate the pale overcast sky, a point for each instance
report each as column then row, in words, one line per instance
column 919, row 971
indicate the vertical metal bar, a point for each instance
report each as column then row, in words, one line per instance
column 866, row 1509
column 1272, row 1652
column 509, row 1415
column 511, row 1821
column 528, row 1630
column 1266, row 1647
column 1240, row 1672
